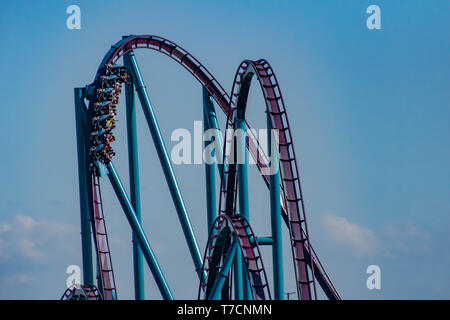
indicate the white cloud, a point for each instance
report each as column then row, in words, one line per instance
column 388, row 241
column 30, row 238
column 33, row 252
column 359, row 239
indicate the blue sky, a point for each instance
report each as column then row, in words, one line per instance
column 369, row 111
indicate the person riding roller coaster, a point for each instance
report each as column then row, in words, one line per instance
column 105, row 139
column 106, row 95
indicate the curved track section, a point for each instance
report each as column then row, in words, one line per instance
column 225, row 227
column 174, row 51
column 218, row 247
column 291, row 189
column 83, row 292
column 190, row 63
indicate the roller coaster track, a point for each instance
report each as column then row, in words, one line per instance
column 292, row 193
column 239, row 227
column 83, row 292
column 106, row 274
column 293, row 210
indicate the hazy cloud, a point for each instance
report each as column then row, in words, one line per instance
column 388, row 241
column 31, row 239
column 361, row 240
column 19, row 278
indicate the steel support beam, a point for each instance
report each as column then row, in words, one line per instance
column 133, row 161
column 209, row 115
column 264, row 241
column 139, row 232
column 238, row 273
column 166, row 165
column 223, row 273
column 213, row 123
column 275, row 214
column 242, row 158
column 86, row 232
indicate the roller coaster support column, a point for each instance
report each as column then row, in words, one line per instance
column 275, row 210
column 139, row 232
column 243, row 200
column 166, row 165
column 223, row 273
column 212, row 123
column 209, row 120
column 86, row 232
column 133, row 161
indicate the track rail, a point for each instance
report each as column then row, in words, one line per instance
column 291, row 191
column 174, row 51
column 105, row 268
column 187, row 61
column 241, row 229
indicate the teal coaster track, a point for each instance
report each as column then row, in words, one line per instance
column 232, row 266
